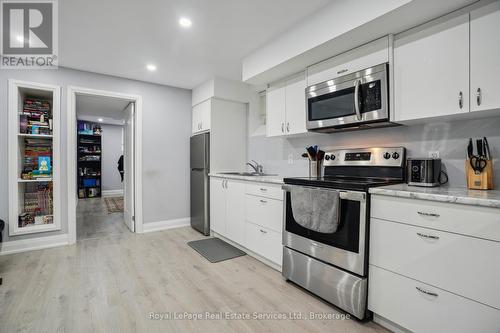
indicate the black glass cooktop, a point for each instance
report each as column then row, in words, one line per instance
column 341, row 183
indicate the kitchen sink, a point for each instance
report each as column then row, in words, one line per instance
column 247, row 174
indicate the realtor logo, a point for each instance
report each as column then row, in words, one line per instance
column 29, row 34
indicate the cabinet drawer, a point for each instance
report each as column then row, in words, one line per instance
column 474, row 221
column 459, row 264
column 265, row 190
column 397, row 298
column 264, row 242
column 264, row 212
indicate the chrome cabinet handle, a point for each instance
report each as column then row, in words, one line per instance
column 426, row 292
column 263, row 189
column 478, row 96
column 428, row 214
column 263, row 231
column 356, row 99
column 282, row 127
column 288, row 127
column 342, row 71
column 263, row 201
column 427, row 236
column 461, row 100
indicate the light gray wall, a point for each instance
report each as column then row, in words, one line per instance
column 166, row 132
column 449, row 138
column 111, row 152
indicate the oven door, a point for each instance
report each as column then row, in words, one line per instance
column 345, row 248
column 354, row 99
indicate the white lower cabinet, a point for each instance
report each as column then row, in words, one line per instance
column 249, row 214
column 419, row 307
column 432, row 268
column 263, row 241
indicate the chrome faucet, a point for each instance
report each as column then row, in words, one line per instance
column 258, row 168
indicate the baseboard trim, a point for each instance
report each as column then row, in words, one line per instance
column 112, row 193
column 164, row 225
column 33, row 244
column 391, row 326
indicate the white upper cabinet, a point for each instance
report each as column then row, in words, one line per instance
column 485, row 57
column 365, row 56
column 275, row 110
column 286, row 107
column 201, row 116
column 295, row 105
column 431, row 70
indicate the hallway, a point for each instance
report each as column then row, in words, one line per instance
column 94, row 221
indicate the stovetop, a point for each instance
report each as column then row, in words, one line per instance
column 341, row 183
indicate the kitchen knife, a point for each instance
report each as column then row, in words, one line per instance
column 486, row 146
column 470, row 149
column 479, row 144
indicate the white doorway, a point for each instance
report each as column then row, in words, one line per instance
column 132, row 181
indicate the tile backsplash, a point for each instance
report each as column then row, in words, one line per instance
column 283, row 155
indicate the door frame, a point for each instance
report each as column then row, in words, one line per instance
column 72, row 92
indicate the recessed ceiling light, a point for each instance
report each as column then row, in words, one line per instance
column 100, row 120
column 151, row 67
column 185, row 22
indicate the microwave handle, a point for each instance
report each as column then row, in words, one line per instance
column 356, row 99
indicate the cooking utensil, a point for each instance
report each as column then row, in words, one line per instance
column 305, row 155
column 312, row 153
column 321, row 155
column 478, row 163
column 470, row 149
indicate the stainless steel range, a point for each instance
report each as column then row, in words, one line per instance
column 326, row 224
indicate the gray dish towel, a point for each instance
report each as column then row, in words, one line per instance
column 316, row 209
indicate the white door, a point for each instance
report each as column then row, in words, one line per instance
column 128, row 168
column 235, row 211
column 431, row 70
column 218, row 205
column 485, row 57
column 295, row 105
column 275, row 111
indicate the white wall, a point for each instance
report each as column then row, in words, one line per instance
column 449, row 138
column 166, row 132
column 112, row 136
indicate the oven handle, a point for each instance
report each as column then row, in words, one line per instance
column 345, row 195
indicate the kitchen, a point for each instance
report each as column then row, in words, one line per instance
column 345, row 174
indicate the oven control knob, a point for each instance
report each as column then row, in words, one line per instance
column 395, row 155
column 332, row 157
column 387, row 155
column 327, row 157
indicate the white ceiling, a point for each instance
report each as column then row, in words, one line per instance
column 119, row 37
column 110, row 110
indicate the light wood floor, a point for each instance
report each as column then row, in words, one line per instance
column 93, row 220
column 111, row 283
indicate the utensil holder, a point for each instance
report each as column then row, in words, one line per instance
column 316, row 169
column 482, row 180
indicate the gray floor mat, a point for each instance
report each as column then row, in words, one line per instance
column 215, row 249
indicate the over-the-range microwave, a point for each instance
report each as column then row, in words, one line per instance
column 355, row 101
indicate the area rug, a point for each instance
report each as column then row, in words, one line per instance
column 114, row 204
column 215, row 249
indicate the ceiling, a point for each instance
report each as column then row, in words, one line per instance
column 120, row 37
column 110, row 110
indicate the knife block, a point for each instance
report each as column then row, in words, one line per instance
column 480, row 181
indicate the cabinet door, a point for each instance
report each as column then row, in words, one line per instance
column 195, row 119
column 295, row 105
column 205, row 110
column 235, row 211
column 431, row 70
column 218, row 205
column 275, row 111
column 485, row 57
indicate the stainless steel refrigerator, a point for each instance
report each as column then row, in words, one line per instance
column 200, row 191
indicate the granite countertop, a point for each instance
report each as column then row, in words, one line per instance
column 256, row 179
column 462, row 196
